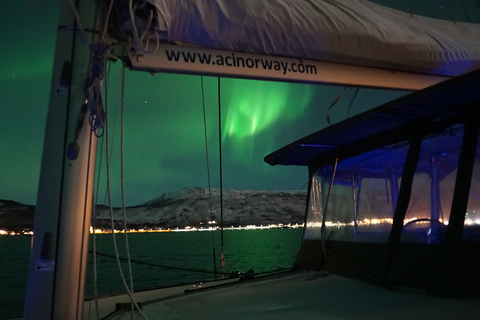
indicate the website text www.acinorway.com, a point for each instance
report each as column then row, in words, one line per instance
column 234, row 61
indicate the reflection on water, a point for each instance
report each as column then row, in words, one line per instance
column 260, row 250
column 191, row 256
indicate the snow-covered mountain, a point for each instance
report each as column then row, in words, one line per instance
column 191, row 207
column 185, row 207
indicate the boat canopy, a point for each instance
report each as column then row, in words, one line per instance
column 432, row 103
column 393, row 193
column 342, row 31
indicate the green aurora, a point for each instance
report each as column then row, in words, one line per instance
column 165, row 146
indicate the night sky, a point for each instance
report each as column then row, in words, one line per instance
column 165, row 145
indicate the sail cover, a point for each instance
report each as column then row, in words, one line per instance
column 353, row 32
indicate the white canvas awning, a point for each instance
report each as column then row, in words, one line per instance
column 355, row 32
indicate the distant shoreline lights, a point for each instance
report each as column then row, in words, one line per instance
column 185, row 229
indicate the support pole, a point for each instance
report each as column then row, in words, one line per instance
column 56, row 277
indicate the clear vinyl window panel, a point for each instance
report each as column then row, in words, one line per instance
column 356, row 198
column 315, row 210
column 471, row 227
column 431, row 198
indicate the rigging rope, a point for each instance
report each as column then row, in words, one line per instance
column 105, row 27
column 338, row 99
column 99, row 52
column 134, row 27
column 208, row 176
column 354, row 200
column 140, row 39
column 323, row 230
column 333, row 104
column 85, row 204
column 156, row 264
column 152, row 264
column 122, row 276
column 94, row 225
column 94, row 95
column 222, row 259
column 122, row 182
column 478, row 4
column 351, row 101
column 465, row 11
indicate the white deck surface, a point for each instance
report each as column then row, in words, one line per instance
column 305, row 296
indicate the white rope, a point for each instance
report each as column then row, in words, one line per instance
column 134, row 28
column 145, row 48
column 122, row 184
column 139, row 40
column 117, row 255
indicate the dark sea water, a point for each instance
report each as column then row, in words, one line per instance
column 14, row 253
column 158, row 260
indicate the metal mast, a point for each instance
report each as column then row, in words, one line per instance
column 62, row 219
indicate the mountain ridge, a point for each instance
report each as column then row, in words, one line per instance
column 193, row 206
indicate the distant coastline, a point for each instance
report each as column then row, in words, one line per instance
column 187, row 209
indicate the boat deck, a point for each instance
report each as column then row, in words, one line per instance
column 302, row 296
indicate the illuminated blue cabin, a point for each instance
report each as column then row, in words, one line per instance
column 394, row 193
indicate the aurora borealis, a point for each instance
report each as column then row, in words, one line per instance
column 165, row 135
column 164, row 126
